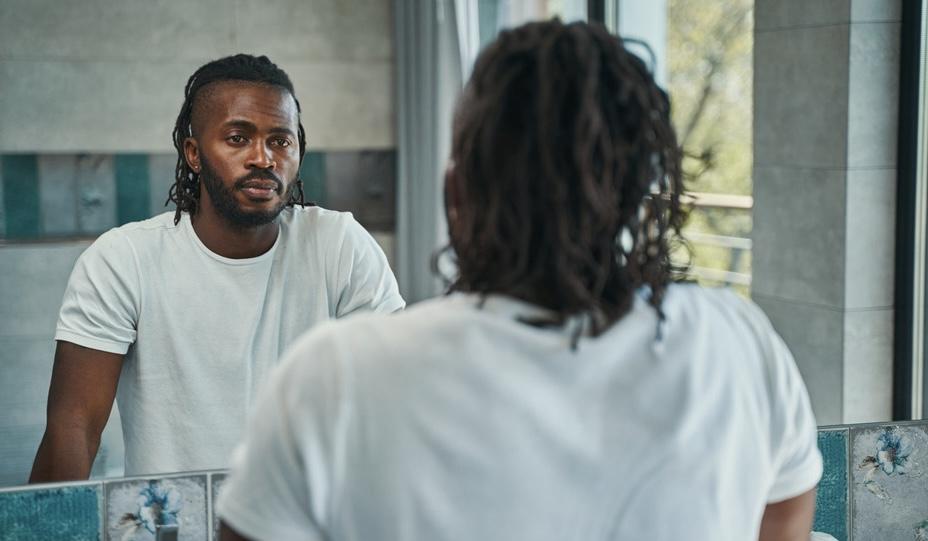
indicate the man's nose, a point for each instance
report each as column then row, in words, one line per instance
column 261, row 157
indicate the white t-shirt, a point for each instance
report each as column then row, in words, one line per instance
column 452, row 421
column 200, row 332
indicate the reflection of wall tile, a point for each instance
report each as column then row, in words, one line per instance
column 71, row 512
column 161, row 178
column 312, row 173
column 128, row 515
column 216, row 481
column 2, row 205
column 132, row 185
column 21, row 195
column 889, row 498
column 96, row 209
column 831, row 500
column 58, row 193
column 364, row 183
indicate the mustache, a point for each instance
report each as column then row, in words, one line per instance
column 259, row 174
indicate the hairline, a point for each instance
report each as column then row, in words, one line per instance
column 204, row 91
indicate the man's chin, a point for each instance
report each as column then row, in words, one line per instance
column 246, row 219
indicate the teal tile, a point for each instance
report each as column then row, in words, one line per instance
column 21, row 196
column 2, row 208
column 831, row 499
column 132, row 186
column 312, row 172
column 49, row 514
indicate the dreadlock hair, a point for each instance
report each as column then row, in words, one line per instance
column 568, row 175
column 185, row 192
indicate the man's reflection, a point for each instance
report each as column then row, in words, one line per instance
column 187, row 311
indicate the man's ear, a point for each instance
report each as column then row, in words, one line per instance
column 192, row 154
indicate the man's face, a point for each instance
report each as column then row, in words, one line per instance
column 246, row 150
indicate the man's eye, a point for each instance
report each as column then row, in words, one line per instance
column 282, row 142
column 236, row 139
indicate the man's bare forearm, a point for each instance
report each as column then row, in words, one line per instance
column 65, row 454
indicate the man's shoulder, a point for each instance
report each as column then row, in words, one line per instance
column 133, row 235
column 329, row 230
column 314, row 218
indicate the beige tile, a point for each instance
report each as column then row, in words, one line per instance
column 868, row 366
column 815, row 337
column 90, row 107
column 873, row 95
column 116, row 30
column 315, row 31
column 346, row 106
column 778, row 14
column 800, row 97
column 34, row 280
column 876, row 10
column 799, row 235
column 871, row 238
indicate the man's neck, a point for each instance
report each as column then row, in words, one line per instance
column 232, row 241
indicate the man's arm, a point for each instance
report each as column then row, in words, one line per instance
column 80, row 399
column 789, row 520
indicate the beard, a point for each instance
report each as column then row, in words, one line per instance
column 223, row 198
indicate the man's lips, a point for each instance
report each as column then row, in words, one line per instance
column 260, row 189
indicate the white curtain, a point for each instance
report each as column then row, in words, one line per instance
column 428, row 77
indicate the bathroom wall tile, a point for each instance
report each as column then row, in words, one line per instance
column 801, row 97
column 781, row 14
column 873, row 90
column 21, row 196
column 130, row 505
column 96, row 192
column 58, row 194
column 831, row 499
column 312, row 173
column 216, row 481
column 132, row 185
column 161, row 178
column 889, row 498
column 363, row 182
column 43, row 514
column 2, row 205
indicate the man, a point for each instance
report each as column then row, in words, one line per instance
column 566, row 389
column 188, row 311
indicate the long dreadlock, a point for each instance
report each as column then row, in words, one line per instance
column 568, row 175
column 185, row 192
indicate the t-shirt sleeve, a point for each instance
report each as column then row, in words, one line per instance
column 365, row 280
column 795, row 458
column 101, row 303
column 282, row 478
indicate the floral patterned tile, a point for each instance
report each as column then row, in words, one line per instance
column 136, row 508
column 41, row 514
column 889, row 468
column 831, row 499
column 216, row 480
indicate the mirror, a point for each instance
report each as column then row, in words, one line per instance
column 91, row 95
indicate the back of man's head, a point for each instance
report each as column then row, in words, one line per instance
column 565, row 178
column 244, row 68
